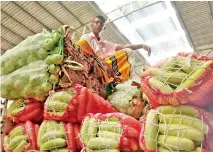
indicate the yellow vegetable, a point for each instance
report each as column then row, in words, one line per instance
column 102, row 143
column 175, row 143
column 194, row 76
column 109, row 134
column 172, row 77
column 183, row 131
column 181, row 109
column 159, row 85
column 185, row 120
column 151, row 130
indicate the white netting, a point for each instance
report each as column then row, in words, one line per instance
column 178, row 73
column 29, row 81
column 24, row 67
column 16, row 107
column 58, row 103
column 175, row 129
column 52, row 136
column 127, row 99
column 97, row 134
column 28, row 51
column 17, row 139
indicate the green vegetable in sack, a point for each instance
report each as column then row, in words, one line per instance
column 28, row 51
column 32, row 80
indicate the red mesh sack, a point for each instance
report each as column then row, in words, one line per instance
column 180, row 128
column 186, row 78
column 59, row 136
column 70, row 105
column 22, row 110
column 115, row 131
column 23, row 137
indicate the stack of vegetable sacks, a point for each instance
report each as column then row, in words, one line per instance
column 182, row 128
column 111, row 132
column 185, row 78
column 127, row 99
column 23, row 137
column 58, row 136
column 73, row 103
column 25, row 74
column 23, row 110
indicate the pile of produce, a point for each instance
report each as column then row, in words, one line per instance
column 23, row 137
column 127, row 99
column 46, row 61
column 186, row 78
column 110, row 132
column 21, row 110
column 73, row 103
column 180, row 128
column 59, row 85
column 58, row 136
column 29, row 69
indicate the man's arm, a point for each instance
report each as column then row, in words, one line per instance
column 134, row 47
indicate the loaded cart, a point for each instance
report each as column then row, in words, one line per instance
column 59, row 95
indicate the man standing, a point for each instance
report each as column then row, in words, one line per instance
column 113, row 54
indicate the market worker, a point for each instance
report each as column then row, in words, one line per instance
column 117, row 56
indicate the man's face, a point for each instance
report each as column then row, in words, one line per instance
column 97, row 25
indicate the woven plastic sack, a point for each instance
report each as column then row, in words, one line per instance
column 23, row 110
column 59, row 136
column 186, row 78
column 180, row 128
column 127, row 99
column 23, row 137
column 112, row 131
column 73, row 103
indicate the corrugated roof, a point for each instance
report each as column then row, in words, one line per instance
column 198, row 20
column 21, row 19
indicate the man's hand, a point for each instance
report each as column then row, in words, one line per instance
column 147, row 48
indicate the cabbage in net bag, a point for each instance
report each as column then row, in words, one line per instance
column 127, row 99
column 73, row 103
column 30, row 81
column 25, row 74
column 23, row 110
column 33, row 48
column 22, row 138
column 185, row 78
column 57, row 136
column 182, row 128
column 110, row 132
